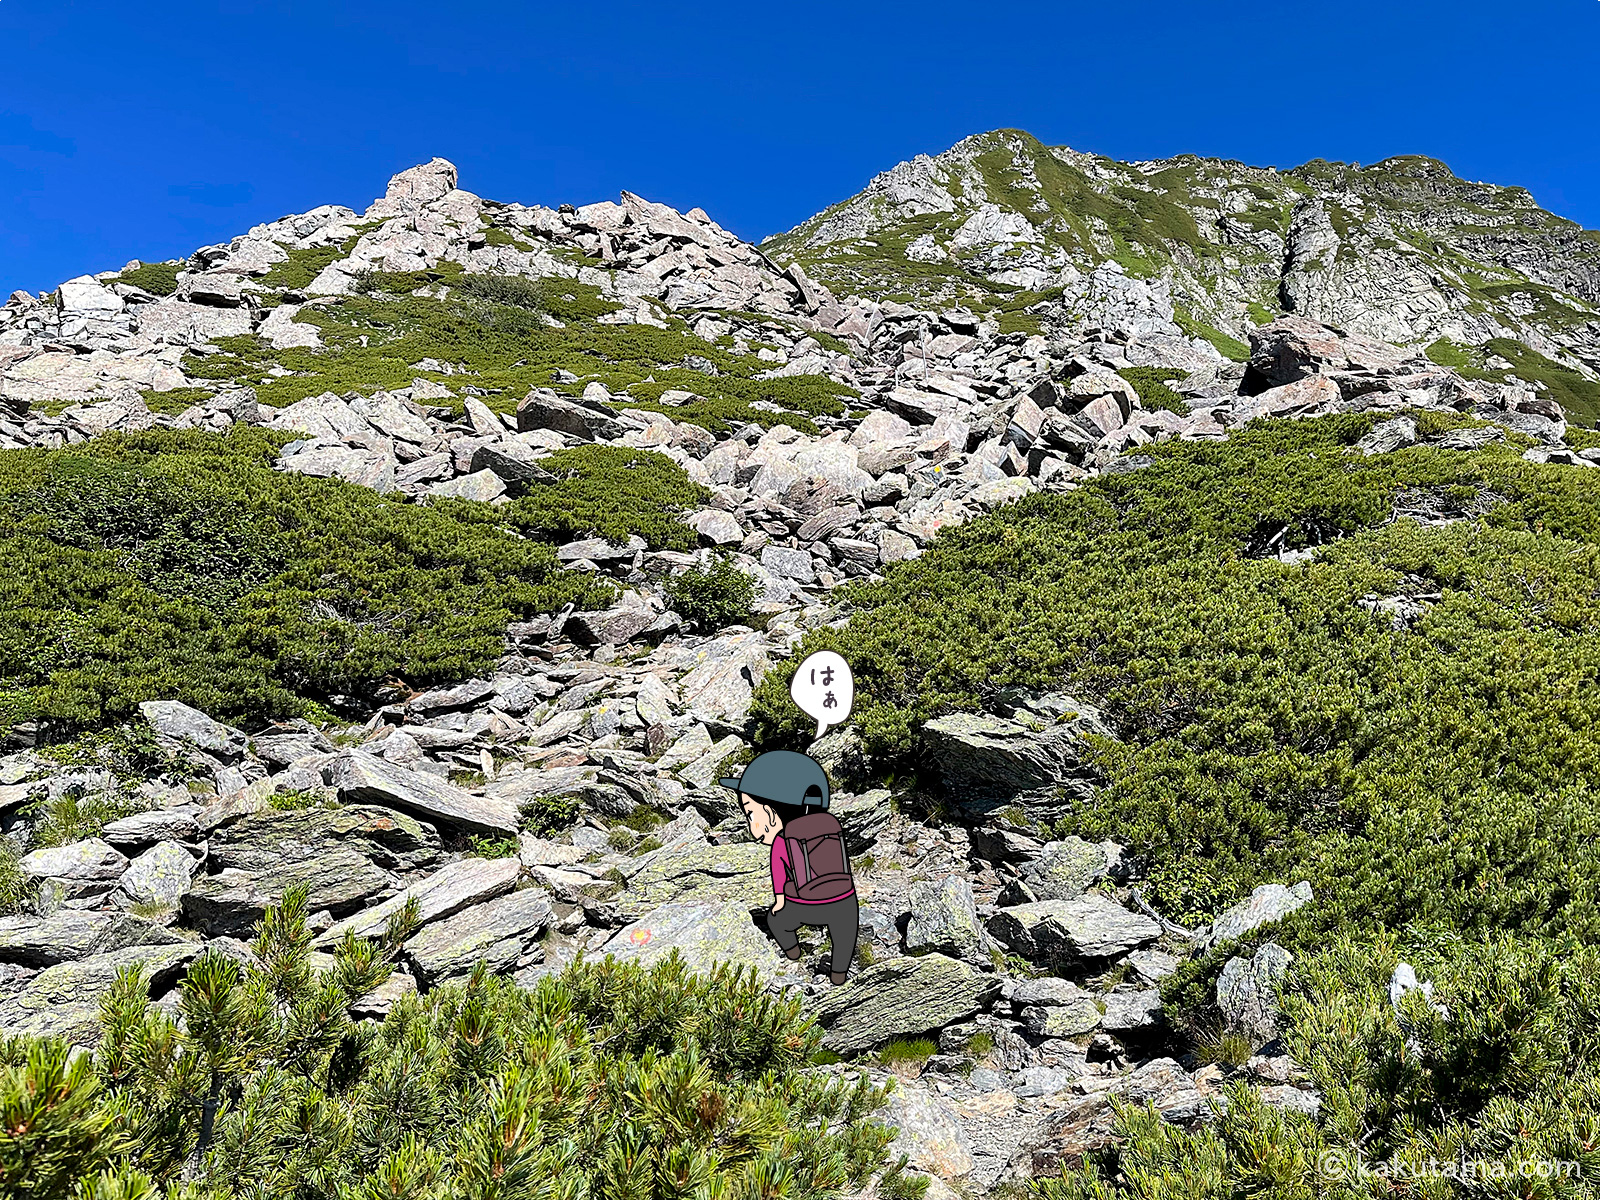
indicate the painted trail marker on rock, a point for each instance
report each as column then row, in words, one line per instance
column 824, row 688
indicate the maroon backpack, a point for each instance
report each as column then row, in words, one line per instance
column 819, row 868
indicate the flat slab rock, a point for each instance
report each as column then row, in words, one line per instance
column 738, row 872
column 900, row 997
column 69, row 935
column 158, row 825
column 929, row 1134
column 364, row 778
column 87, row 862
column 64, row 1000
column 503, row 934
column 996, row 755
column 189, row 727
column 443, row 894
column 704, row 934
column 346, row 856
column 1093, row 926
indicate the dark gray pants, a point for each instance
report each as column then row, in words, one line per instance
column 842, row 918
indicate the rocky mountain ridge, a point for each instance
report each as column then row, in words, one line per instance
column 1400, row 250
column 563, row 801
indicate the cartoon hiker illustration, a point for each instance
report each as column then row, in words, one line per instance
column 785, row 798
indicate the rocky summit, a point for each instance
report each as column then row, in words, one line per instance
column 387, row 592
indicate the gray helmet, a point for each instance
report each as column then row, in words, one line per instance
column 783, row 777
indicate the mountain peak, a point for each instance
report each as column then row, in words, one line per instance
column 1402, row 250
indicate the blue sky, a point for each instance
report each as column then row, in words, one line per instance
column 145, row 130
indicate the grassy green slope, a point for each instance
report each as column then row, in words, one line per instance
column 181, row 565
column 1436, row 784
column 510, row 335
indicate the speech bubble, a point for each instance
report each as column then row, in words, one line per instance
column 825, row 689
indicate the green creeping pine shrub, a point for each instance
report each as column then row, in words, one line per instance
column 159, row 279
column 173, row 402
column 1435, row 781
column 1507, row 1082
column 713, row 597
column 1228, row 347
column 179, row 565
column 612, row 491
column 1151, row 384
column 642, row 820
column 1582, row 439
column 499, row 328
column 303, row 265
column 608, row 1080
column 15, row 886
column 544, row 815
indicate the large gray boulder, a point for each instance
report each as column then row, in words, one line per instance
column 364, row 778
column 1091, row 927
column 611, row 627
column 513, row 461
column 546, row 410
column 1046, row 990
column 1130, row 1009
column 900, row 997
column 68, row 935
column 704, row 933
column 503, row 934
column 160, row 876
column 1393, row 434
column 64, row 1000
column 945, row 918
column 1247, row 992
column 1293, row 347
column 482, row 485
column 91, row 865
column 1055, row 1008
column 789, row 563
column 1065, row 870
column 176, row 723
column 443, row 894
column 345, row 855
column 157, row 825
column 1267, row 903
column 373, row 469
column 862, row 818
column 929, row 1134
column 1075, row 1017
column 982, row 755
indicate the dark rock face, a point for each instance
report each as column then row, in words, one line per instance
column 346, row 855
column 982, row 757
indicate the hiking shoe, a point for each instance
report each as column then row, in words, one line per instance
column 792, row 954
column 838, row 977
